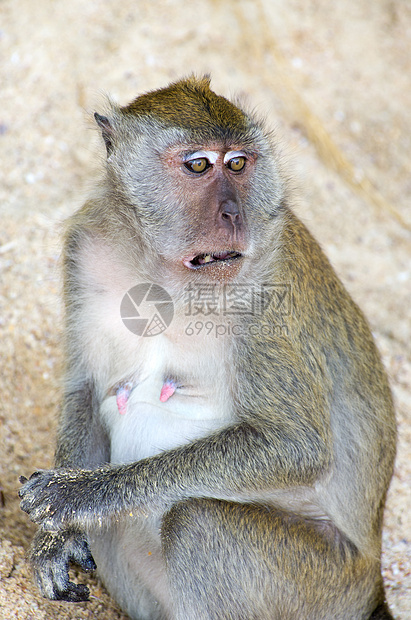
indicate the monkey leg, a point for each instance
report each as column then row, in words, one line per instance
column 234, row 561
column 129, row 561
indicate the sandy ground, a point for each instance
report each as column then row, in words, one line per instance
column 333, row 78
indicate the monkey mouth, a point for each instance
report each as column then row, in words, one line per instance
column 201, row 260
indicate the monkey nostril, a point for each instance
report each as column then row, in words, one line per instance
column 230, row 213
column 231, row 219
column 228, row 216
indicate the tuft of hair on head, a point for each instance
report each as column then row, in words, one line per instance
column 190, row 104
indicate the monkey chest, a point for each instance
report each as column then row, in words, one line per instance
column 164, row 396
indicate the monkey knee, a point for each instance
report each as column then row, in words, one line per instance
column 199, row 528
column 186, row 523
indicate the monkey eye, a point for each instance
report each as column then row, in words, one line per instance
column 236, row 163
column 198, row 165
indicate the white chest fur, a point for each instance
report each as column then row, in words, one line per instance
column 197, row 365
column 200, row 403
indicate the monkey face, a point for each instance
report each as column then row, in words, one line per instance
column 203, row 189
column 199, row 205
column 213, row 181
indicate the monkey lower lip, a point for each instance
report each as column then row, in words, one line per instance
column 202, row 260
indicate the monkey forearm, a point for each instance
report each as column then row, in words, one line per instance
column 62, row 497
column 241, row 459
column 81, row 442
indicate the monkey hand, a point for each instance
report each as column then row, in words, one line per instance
column 50, row 555
column 56, row 499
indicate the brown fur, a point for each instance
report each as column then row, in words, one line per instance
column 257, row 490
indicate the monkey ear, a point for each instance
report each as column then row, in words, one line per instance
column 106, row 131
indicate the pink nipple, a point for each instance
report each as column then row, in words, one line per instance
column 122, row 396
column 167, row 390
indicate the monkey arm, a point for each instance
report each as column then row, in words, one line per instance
column 281, row 439
column 81, row 441
column 84, row 445
column 242, row 464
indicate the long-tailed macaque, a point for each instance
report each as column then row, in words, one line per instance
column 228, row 455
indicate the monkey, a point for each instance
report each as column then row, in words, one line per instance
column 229, row 473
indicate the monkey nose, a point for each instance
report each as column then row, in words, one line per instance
column 230, row 214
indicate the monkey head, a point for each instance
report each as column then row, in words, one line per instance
column 186, row 164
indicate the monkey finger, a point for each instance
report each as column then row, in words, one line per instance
column 36, row 474
column 23, row 491
column 54, row 583
column 74, row 593
column 37, row 479
column 33, row 511
column 81, row 555
column 88, row 565
column 29, row 496
column 27, row 500
column 38, row 508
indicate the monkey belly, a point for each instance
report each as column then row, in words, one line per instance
column 130, row 564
